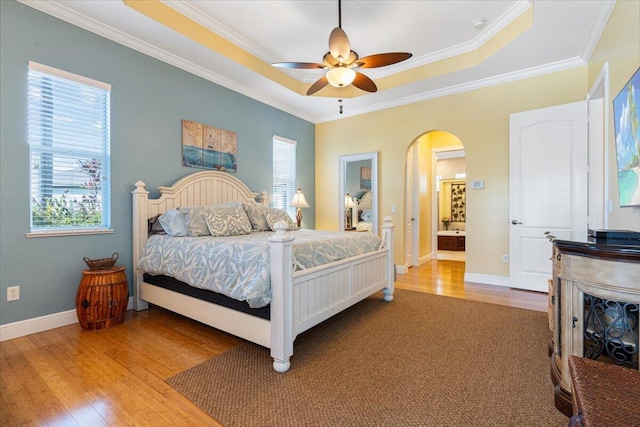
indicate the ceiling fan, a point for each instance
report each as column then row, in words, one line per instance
column 341, row 62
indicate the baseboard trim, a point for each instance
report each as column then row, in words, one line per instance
column 452, row 256
column 487, row 279
column 424, row 259
column 41, row 324
column 402, row 269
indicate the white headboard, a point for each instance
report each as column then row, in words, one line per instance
column 200, row 188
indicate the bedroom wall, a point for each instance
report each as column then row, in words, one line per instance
column 148, row 100
column 619, row 45
column 480, row 119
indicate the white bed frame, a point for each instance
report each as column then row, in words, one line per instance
column 299, row 299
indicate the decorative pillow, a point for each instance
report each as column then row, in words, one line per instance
column 194, row 217
column 256, row 216
column 367, row 215
column 227, row 221
column 273, row 215
column 154, row 226
column 173, row 223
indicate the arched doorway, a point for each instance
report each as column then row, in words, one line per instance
column 422, row 205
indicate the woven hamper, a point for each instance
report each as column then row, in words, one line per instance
column 102, row 298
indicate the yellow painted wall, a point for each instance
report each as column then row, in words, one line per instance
column 619, row 45
column 480, row 119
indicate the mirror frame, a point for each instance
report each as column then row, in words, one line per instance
column 343, row 160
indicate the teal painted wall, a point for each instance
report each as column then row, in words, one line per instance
column 148, row 101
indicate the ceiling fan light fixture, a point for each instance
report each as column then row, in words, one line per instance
column 340, row 76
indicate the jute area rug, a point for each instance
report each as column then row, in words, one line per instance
column 421, row 360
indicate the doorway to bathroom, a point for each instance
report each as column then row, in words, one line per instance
column 451, row 196
column 435, row 199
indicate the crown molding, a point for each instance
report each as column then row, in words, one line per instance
column 465, row 87
column 597, row 27
column 62, row 12
column 492, row 30
column 197, row 15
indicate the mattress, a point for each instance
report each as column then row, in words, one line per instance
column 239, row 266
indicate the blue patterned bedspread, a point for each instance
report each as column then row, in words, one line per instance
column 238, row 266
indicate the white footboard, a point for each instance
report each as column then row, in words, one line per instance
column 303, row 299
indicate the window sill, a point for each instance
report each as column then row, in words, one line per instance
column 60, row 233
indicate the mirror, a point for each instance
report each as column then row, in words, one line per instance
column 359, row 179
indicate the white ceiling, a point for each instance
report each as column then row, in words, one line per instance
column 563, row 35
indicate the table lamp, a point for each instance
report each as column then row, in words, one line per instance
column 348, row 204
column 299, row 202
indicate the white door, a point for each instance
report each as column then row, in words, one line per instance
column 547, row 188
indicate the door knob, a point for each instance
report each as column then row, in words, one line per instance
column 515, row 222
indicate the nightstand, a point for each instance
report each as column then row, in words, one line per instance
column 102, row 298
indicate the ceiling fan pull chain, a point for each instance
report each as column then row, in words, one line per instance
column 340, row 100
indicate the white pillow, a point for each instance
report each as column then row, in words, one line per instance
column 173, row 223
column 367, row 215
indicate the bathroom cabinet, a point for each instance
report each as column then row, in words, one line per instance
column 451, row 243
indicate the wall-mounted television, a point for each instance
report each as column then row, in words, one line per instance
column 626, row 114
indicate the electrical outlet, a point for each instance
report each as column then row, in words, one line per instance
column 13, row 293
column 505, row 259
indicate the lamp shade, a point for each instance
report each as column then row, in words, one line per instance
column 340, row 76
column 348, row 201
column 299, row 201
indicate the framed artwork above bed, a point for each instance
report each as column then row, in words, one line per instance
column 208, row 147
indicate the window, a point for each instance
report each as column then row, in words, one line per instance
column 284, row 174
column 68, row 133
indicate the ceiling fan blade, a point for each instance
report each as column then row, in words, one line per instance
column 382, row 59
column 302, row 65
column 322, row 82
column 339, row 44
column 365, row 83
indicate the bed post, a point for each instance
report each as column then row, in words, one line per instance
column 387, row 237
column 140, row 234
column 280, row 247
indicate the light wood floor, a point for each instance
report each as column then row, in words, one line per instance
column 115, row 377
column 447, row 278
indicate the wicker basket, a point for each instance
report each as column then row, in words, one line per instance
column 102, row 263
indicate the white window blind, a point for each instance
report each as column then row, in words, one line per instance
column 69, row 138
column 284, row 174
